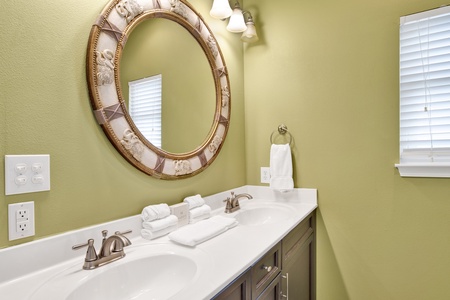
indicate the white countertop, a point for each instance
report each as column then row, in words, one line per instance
column 25, row 268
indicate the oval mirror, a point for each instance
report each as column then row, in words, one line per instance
column 193, row 120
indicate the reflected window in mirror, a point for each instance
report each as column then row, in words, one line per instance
column 145, row 107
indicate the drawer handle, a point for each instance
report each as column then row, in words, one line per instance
column 287, row 286
column 267, row 268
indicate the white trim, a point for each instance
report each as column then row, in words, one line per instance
column 435, row 170
column 425, row 14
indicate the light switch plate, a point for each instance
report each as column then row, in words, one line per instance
column 27, row 174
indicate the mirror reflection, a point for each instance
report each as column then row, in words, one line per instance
column 161, row 50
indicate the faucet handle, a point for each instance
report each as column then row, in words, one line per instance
column 123, row 232
column 228, row 201
column 91, row 254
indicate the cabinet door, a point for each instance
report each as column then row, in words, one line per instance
column 272, row 291
column 240, row 289
column 298, row 273
column 299, row 261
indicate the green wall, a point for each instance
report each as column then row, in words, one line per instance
column 329, row 71
column 45, row 108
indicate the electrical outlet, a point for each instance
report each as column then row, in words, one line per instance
column 265, row 175
column 181, row 210
column 20, row 220
column 22, row 215
column 22, row 227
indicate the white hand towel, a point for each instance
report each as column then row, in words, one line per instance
column 150, row 235
column 281, row 168
column 194, row 201
column 199, row 218
column 160, row 224
column 199, row 213
column 227, row 222
column 155, row 212
column 194, row 234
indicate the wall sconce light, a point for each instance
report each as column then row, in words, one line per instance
column 221, row 10
column 237, row 23
column 249, row 35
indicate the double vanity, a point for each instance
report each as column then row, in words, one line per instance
column 268, row 255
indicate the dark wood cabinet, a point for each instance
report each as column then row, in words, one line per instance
column 287, row 271
column 239, row 289
column 272, row 291
column 265, row 270
column 299, row 262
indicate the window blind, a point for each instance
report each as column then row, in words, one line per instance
column 145, row 107
column 425, row 87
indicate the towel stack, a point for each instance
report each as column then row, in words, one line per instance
column 200, row 232
column 198, row 210
column 157, row 221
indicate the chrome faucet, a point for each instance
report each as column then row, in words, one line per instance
column 111, row 250
column 233, row 202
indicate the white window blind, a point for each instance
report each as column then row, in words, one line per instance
column 145, row 107
column 425, row 87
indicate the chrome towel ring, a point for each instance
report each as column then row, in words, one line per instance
column 282, row 129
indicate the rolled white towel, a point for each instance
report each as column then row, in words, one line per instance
column 150, row 235
column 194, row 201
column 199, row 213
column 155, row 212
column 200, row 232
column 160, row 224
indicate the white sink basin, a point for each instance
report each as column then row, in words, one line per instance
column 262, row 213
column 155, row 277
column 146, row 272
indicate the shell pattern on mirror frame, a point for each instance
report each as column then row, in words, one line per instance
column 101, row 76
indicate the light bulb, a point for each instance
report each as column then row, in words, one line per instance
column 237, row 23
column 249, row 35
column 220, row 9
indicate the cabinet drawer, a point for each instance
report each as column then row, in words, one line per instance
column 265, row 270
column 273, row 291
column 298, row 235
column 239, row 289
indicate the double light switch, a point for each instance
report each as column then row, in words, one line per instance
column 27, row 174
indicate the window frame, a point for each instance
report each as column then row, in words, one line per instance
column 152, row 88
column 428, row 161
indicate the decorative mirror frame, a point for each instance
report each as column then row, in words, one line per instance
column 106, row 42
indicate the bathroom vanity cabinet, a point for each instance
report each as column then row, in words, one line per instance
column 287, row 271
column 269, row 255
column 299, row 262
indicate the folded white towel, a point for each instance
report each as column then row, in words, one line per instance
column 194, row 201
column 150, row 235
column 199, row 218
column 199, row 213
column 155, row 212
column 160, row 224
column 194, row 234
column 281, row 168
